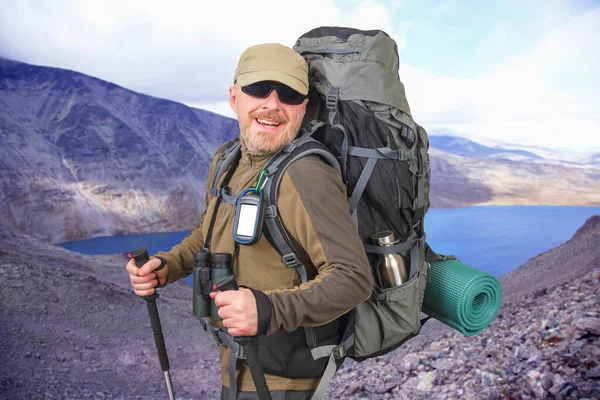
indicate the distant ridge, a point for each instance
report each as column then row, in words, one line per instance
column 468, row 148
column 569, row 261
column 82, row 158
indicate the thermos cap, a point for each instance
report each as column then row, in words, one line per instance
column 384, row 238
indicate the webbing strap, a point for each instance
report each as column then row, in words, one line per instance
column 232, row 166
column 421, row 191
column 322, row 351
column 380, row 152
column 336, row 353
column 312, row 127
column 288, row 255
column 228, row 197
column 397, row 248
column 236, row 351
column 373, row 155
column 361, row 184
column 332, row 105
column 227, row 158
column 232, row 381
column 414, row 259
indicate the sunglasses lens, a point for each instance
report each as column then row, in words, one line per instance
column 262, row 90
column 289, row 96
column 259, row 90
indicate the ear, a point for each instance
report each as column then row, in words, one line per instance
column 304, row 104
column 233, row 99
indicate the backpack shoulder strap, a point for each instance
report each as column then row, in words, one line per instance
column 231, row 150
column 275, row 231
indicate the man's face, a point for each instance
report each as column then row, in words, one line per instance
column 266, row 125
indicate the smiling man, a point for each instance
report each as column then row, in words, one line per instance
column 269, row 97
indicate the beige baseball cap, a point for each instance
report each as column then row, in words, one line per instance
column 272, row 62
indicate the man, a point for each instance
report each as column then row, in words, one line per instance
column 269, row 99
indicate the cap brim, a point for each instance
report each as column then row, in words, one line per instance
column 277, row 76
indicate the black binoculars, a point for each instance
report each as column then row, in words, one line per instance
column 208, row 268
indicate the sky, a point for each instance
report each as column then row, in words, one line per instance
column 523, row 72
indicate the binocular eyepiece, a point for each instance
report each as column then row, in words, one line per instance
column 208, row 269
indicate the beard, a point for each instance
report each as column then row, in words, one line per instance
column 261, row 143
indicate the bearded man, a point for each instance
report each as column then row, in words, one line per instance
column 269, row 97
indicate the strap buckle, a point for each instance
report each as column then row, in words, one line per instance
column 290, row 147
column 332, row 98
column 213, row 330
column 239, row 352
column 291, row 260
column 271, row 211
column 339, row 352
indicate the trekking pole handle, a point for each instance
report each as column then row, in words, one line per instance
column 227, row 283
column 140, row 257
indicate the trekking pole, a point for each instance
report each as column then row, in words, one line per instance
column 250, row 345
column 140, row 256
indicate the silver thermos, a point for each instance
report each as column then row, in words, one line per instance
column 392, row 268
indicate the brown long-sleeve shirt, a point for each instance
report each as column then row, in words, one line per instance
column 313, row 208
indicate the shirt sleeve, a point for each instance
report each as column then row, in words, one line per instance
column 314, row 210
column 180, row 258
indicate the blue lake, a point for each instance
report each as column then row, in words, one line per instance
column 496, row 239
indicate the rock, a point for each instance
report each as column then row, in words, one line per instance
column 409, row 362
column 426, row 380
column 593, row 373
column 534, row 375
column 547, row 380
column 491, row 394
column 590, row 325
column 443, row 364
column 385, row 388
column 354, row 387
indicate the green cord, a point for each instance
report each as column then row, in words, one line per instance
column 260, row 180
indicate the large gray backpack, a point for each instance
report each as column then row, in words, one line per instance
column 358, row 120
column 355, row 89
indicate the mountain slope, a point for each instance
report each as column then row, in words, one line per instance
column 83, row 157
column 567, row 262
column 465, row 147
column 71, row 327
column 458, row 181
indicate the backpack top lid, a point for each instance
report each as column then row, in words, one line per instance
column 362, row 64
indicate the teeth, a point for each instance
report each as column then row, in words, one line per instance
column 265, row 122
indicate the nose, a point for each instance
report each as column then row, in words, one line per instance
column 272, row 101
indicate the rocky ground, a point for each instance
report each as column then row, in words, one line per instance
column 71, row 328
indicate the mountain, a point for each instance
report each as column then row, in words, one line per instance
column 82, row 157
column 71, row 328
column 566, row 263
column 468, row 148
column 459, row 181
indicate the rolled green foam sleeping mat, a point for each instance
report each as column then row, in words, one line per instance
column 462, row 297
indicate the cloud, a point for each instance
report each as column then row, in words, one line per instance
column 549, row 95
column 180, row 50
column 187, row 51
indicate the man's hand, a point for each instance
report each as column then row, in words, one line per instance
column 237, row 308
column 143, row 280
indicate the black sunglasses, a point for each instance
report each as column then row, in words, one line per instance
column 262, row 90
